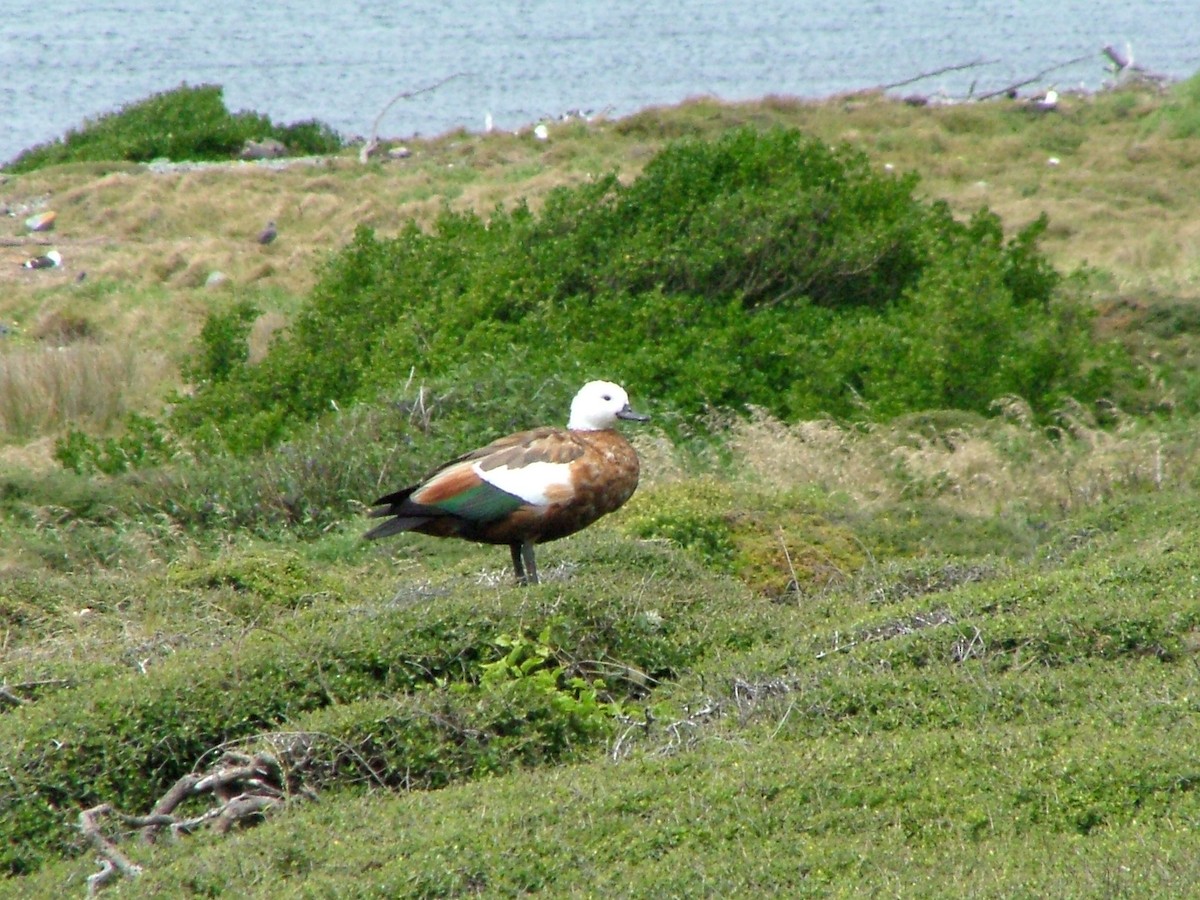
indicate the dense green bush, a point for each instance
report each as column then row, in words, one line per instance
column 762, row 268
column 187, row 123
column 223, row 343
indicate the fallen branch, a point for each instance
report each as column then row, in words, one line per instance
column 1012, row 88
column 247, row 788
column 112, row 860
column 957, row 67
column 160, row 816
column 7, row 696
column 1124, row 68
column 1114, row 55
column 372, row 143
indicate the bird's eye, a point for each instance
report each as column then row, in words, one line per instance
column 606, row 398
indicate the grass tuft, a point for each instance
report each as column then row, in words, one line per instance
column 79, row 383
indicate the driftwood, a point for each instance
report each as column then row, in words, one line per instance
column 957, row 67
column 112, row 861
column 1121, row 65
column 1012, row 88
column 1123, row 68
column 246, row 788
column 1119, row 62
column 243, row 787
column 372, row 143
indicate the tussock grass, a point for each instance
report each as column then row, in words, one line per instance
column 80, row 384
column 975, row 466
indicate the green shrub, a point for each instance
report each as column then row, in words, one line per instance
column 761, row 268
column 1180, row 115
column 144, row 442
column 223, row 343
column 187, row 123
column 309, row 137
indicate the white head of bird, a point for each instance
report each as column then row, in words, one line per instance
column 598, row 405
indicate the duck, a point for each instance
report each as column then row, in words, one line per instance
column 51, row 260
column 268, row 234
column 529, row 487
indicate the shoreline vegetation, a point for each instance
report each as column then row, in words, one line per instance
column 905, row 602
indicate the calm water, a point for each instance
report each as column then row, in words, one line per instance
column 342, row 60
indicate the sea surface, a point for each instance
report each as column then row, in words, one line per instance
column 341, row 61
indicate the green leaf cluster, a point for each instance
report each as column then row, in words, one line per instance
column 762, row 268
column 186, row 123
column 143, row 443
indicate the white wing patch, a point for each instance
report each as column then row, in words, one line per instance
column 538, row 484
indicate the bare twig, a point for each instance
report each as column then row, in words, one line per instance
column 246, row 786
column 7, row 696
column 618, row 750
column 837, row 646
column 788, row 556
column 783, row 721
column 372, row 143
column 112, row 860
column 1010, row 88
column 958, row 67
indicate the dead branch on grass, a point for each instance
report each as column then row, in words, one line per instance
column 1016, row 85
column 112, row 861
column 244, row 788
column 1120, row 65
column 372, row 143
column 1123, row 68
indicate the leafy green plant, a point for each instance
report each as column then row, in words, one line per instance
column 186, row 123
column 144, row 442
column 223, row 343
column 762, row 268
column 534, row 662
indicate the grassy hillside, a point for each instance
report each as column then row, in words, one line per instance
column 941, row 654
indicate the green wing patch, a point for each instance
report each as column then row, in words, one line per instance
column 482, row 503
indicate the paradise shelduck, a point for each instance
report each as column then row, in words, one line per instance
column 529, row 487
column 51, row 260
column 43, row 221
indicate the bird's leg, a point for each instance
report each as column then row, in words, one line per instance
column 530, row 563
column 518, row 566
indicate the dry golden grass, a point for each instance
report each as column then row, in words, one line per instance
column 978, row 467
column 81, row 385
column 1117, row 186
